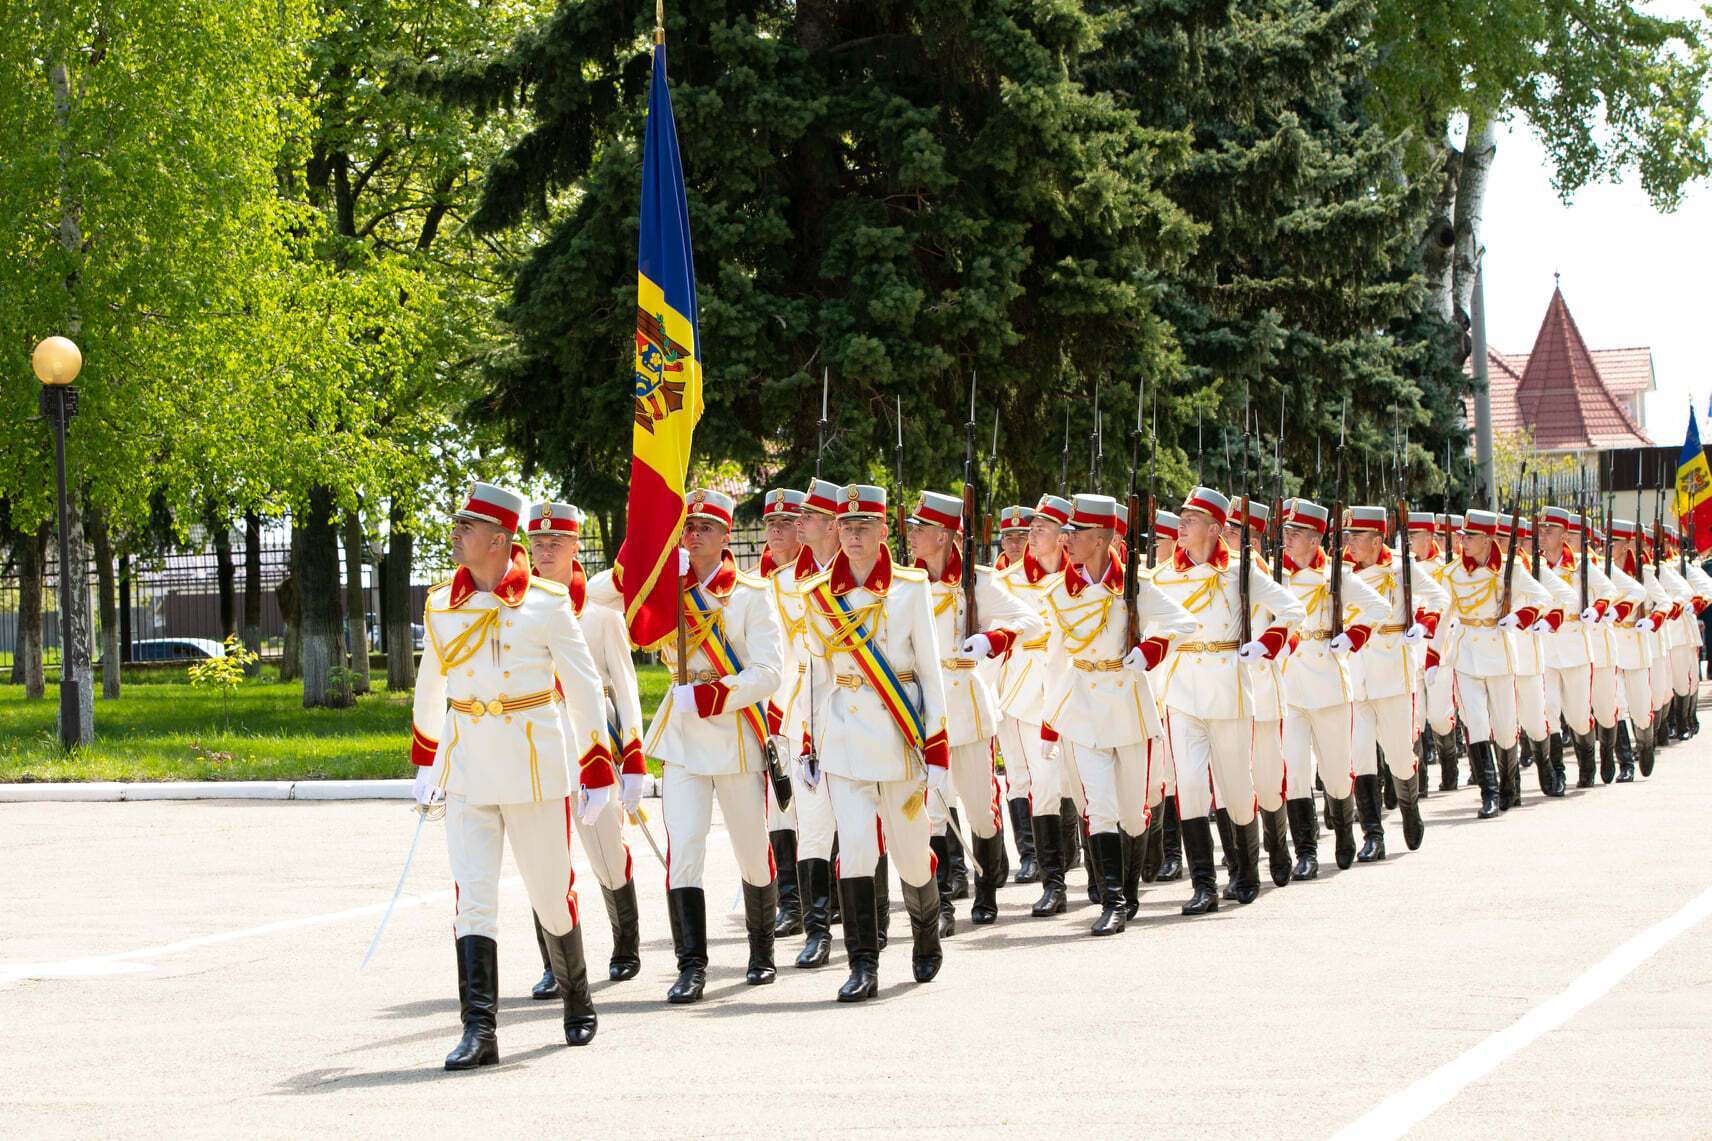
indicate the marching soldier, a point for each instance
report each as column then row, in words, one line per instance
column 935, row 531
column 1207, row 693
column 490, row 743
column 1573, row 686
column 1630, row 650
column 1164, row 539
column 1484, row 656
column 711, row 733
column 1388, row 674
column 881, row 730
column 1683, row 623
column 1438, row 735
column 1606, row 696
column 1655, row 650
column 1020, row 753
column 780, row 508
column 1530, row 666
column 1013, row 535
column 1101, row 720
column 555, row 536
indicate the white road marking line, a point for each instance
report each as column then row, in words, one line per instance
column 1402, row 1111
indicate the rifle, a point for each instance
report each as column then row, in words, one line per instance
column 820, row 429
column 1064, row 458
column 1094, row 443
column 903, row 509
column 1200, row 451
column 1132, row 556
column 1337, row 528
column 1152, row 474
column 1658, row 519
column 1403, row 534
column 1581, row 508
column 1606, row 478
column 1510, row 555
column 971, row 621
column 1277, row 520
column 1245, row 557
column 1534, row 531
column 992, row 482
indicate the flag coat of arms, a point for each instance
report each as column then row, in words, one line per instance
column 1694, row 490
column 667, row 380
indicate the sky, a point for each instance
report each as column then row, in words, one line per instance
column 1631, row 276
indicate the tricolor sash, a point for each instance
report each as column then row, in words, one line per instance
column 726, row 662
column 850, row 634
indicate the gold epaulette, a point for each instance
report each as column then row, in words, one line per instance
column 752, row 581
column 908, row 574
column 549, row 586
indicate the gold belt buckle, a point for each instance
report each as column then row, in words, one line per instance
column 496, row 707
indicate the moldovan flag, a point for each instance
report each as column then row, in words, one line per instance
column 667, row 381
column 1694, row 489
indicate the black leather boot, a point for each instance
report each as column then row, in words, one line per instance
column 1070, row 829
column 1483, row 756
column 1625, row 754
column 1305, row 833
column 1447, row 762
column 1107, row 849
column 1048, row 845
column 1584, row 763
column 1554, row 754
column 1091, row 863
column 1246, row 886
column 1647, row 742
column 1409, row 808
column 548, row 986
column 837, row 895
column 622, row 913
column 1510, row 777
column 571, row 969
column 687, row 909
column 1372, row 827
column 959, row 859
column 1152, row 845
column 1133, row 853
column 1542, row 751
column 1275, row 839
column 1198, row 848
column 942, row 877
column 883, row 897
column 1343, row 829
column 1386, row 786
column 478, row 1003
column 1171, row 860
column 814, row 881
column 994, row 871
column 1227, row 844
column 922, row 904
column 789, row 920
column 1424, row 753
column 760, row 910
column 861, row 939
column 1607, row 754
column 1022, row 835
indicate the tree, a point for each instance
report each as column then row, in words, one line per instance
column 905, row 194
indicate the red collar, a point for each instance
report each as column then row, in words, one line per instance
column 953, row 573
column 1433, row 550
column 766, row 566
column 1075, row 581
column 1318, row 562
column 806, row 563
column 1629, row 564
column 1003, row 561
column 723, row 579
column 513, row 585
column 1494, row 561
column 578, row 586
column 1566, row 557
column 1220, row 560
column 843, row 579
column 1032, row 571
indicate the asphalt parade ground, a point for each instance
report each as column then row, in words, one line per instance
column 174, row 969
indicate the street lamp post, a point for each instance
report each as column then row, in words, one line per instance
column 57, row 362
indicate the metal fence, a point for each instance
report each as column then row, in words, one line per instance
column 170, row 597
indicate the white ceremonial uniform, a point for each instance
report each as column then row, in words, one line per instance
column 1388, row 671
column 1568, row 649
column 1020, row 686
column 788, row 712
column 1530, row 672
column 717, row 750
column 1634, row 693
column 1320, row 686
column 1440, row 693
column 871, row 768
column 1484, row 655
column 1100, row 718
column 1266, row 694
column 1656, row 637
column 1603, row 595
column 1684, row 647
column 609, row 645
column 486, row 716
column 1206, row 690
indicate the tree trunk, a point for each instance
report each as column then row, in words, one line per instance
column 356, row 606
column 318, row 595
column 400, row 638
column 75, row 659
column 106, row 594
column 126, row 639
column 225, row 575
column 1471, row 185
column 1438, row 243
column 253, row 588
column 291, row 607
column 27, row 657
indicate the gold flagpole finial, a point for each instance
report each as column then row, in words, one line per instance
column 659, row 21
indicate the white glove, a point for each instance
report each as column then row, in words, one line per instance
column 1049, row 750
column 591, row 802
column 1609, row 618
column 683, row 563
column 976, row 647
column 1509, row 622
column 1540, row 627
column 683, row 698
column 1252, row 651
column 1135, row 660
column 630, row 795
column 425, row 788
column 1415, row 634
column 1432, row 672
column 1591, row 614
column 1343, row 644
column 936, row 778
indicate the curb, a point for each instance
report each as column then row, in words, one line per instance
column 113, row 791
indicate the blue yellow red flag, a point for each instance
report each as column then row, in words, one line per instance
column 1694, row 489
column 667, row 382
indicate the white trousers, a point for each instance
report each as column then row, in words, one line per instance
column 1602, row 694
column 1326, row 734
column 865, row 808
column 603, row 843
column 1569, row 696
column 812, row 809
column 1638, row 696
column 1386, row 723
column 1028, row 775
column 1441, row 701
column 973, row 782
column 1116, row 786
column 1488, row 708
column 1659, row 675
column 686, row 801
column 1268, row 763
column 540, row 844
column 1212, row 753
column 1531, row 706
column 1684, row 669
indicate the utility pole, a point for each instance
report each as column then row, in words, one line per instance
column 1483, row 462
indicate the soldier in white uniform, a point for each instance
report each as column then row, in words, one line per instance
column 1167, row 850
column 501, row 650
column 1388, row 674
column 881, row 733
column 1683, row 623
column 1530, row 666
column 1436, row 695
column 1605, row 695
column 1700, row 583
column 1013, row 527
column 780, row 509
column 711, row 735
column 972, row 720
column 555, row 535
column 1209, row 706
column 1570, row 676
column 1655, row 635
column 1630, row 649
column 1100, row 716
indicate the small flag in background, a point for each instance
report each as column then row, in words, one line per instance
column 1694, row 489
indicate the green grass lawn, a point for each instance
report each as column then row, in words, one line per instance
column 161, row 728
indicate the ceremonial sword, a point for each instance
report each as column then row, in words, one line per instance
column 421, row 819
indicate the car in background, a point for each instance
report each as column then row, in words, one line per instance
column 176, row 649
